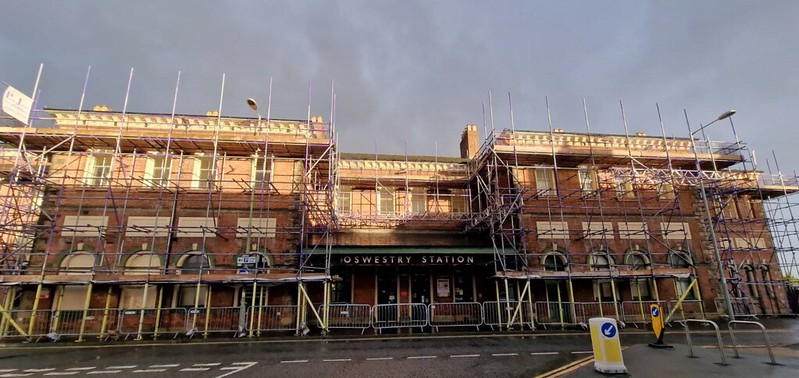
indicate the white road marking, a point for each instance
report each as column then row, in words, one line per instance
column 163, row 366
column 338, row 360
column 379, row 358
column 195, row 369
column 104, row 372
column 209, row 364
column 82, row 368
column 583, row 352
column 504, row 354
column 149, row 370
column 235, row 369
column 293, row 361
column 464, row 355
column 38, row 370
column 61, row 373
column 543, row 353
column 15, row 375
column 121, row 367
column 420, row 357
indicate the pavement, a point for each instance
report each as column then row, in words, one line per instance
column 704, row 358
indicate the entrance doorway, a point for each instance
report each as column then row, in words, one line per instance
column 420, row 288
column 386, row 286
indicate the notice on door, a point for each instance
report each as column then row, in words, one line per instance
column 442, row 287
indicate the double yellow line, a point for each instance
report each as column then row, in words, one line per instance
column 565, row 369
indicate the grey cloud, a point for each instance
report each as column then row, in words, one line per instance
column 415, row 72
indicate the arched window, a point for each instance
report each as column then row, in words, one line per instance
column 143, row 263
column 680, row 259
column 554, row 262
column 77, row 262
column 600, row 260
column 636, row 260
column 194, row 263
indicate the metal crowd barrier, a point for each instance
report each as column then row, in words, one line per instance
column 637, row 312
column 399, row 315
column 455, row 314
column 98, row 322
column 155, row 321
column 273, row 318
column 496, row 313
column 743, row 307
column 41, row 326
column 553, row 313
column 349, row 316
column 587, row 310
column 689, row 309
column 216, row 319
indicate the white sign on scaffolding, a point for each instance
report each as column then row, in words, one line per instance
column 17, row 104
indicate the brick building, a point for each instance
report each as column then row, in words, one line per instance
column 148, row 224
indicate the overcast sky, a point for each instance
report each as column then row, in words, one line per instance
column 415, row 72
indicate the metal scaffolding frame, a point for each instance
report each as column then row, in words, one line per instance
column 213, row 203
column 646, row 183
column 115, row 166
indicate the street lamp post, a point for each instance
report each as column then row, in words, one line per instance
column 724, row 290
column 254, row 106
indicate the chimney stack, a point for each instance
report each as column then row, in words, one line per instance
column 470, row 142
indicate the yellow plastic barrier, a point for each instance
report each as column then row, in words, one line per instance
column 606, row 345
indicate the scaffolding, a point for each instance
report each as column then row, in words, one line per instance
column 143, row 223
column 127, row 204
column 570, row 209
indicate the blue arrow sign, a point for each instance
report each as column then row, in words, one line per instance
column 655, row 312
column 608, row 330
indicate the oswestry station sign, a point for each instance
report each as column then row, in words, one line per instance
column 405, row 260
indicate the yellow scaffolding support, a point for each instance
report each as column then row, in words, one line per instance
column 57, row 315
column 9, row 320
column 106, row 310
column 158, row 311
column 86, row 304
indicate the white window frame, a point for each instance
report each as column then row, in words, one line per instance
column 265, row 173
column 203, row 177
column 588, row 180
column 345, row 199
column 102, row 161
column 418, row 201
column 545, row 181
column 157, row 171
column 387, row 195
